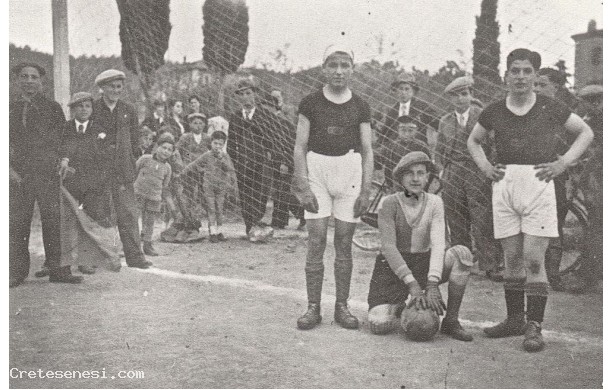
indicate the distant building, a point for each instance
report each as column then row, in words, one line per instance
column 589, row 57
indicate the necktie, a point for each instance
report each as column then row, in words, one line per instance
column 81, row 129
column 403, row 110
column 24, row 116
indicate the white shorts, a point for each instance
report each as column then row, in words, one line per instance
column 336, row 182
column 524, row 204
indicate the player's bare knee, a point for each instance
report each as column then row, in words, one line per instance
column 459, row 259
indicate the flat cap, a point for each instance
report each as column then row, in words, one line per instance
column 17, row 68
column 79, row 97
column 459, row 83
column 590, row 90
column 409, row 160
column 109, row 75
column 244, row 84
column 194, row 115
column 338, row 48
column 404, row 78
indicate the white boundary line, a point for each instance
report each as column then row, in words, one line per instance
column 330, row 300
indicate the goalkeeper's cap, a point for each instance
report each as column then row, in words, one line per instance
column 338, row 48
column 409, row 160
column 108, row 76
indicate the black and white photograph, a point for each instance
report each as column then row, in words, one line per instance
column 305, row 194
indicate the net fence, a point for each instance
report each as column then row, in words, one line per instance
column 256, row 185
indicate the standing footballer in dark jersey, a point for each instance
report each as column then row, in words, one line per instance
column 333, row 168
column 524, row 207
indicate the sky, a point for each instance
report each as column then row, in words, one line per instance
column 420, row 33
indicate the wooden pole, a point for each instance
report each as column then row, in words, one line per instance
column 61, row 54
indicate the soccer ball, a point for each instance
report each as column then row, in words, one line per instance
column 419, row 324
column 261, row 234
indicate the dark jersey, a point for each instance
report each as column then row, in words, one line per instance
column 527, row 139
column 334, row 128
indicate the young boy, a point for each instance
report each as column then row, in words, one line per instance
column 146, row 138
column 413, row 257
column 391, row 152
column 214, row 172
column 151, row 186
column 87, row 152
column 524, row 209
column 193, row 144
column 333, row 169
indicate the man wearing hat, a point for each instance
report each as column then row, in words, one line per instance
column 466, row 191
column 405, row 89
column 35, row 127
column 120, row 124
column 252, row 148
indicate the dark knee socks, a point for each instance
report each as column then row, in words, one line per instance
column 537, row 295
column 514, row 290
column 343, row 269
column 314, row 281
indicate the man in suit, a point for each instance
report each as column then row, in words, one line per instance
column 35, row 126
column 466, row 191
column 284, row 201
column 251, row 146
column 405, row 89
column 120, row 124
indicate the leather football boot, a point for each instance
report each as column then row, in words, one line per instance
column 344, row 318
column 511, row 326
column 311, row 318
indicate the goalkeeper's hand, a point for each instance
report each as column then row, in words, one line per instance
column 434, row 298
column 417, row 298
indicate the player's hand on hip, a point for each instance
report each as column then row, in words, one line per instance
column 361, row 204
column 434, row 298
column 495, row 172
column 548, row 171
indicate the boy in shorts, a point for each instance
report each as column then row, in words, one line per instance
column 214, row 173
column 333, row 169
column 154, row 173
column 413, row 258
column 524, row 207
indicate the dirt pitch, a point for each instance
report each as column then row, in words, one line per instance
column 223, row 316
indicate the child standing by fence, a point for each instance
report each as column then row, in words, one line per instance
column 154, row 173
column 214, row 171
